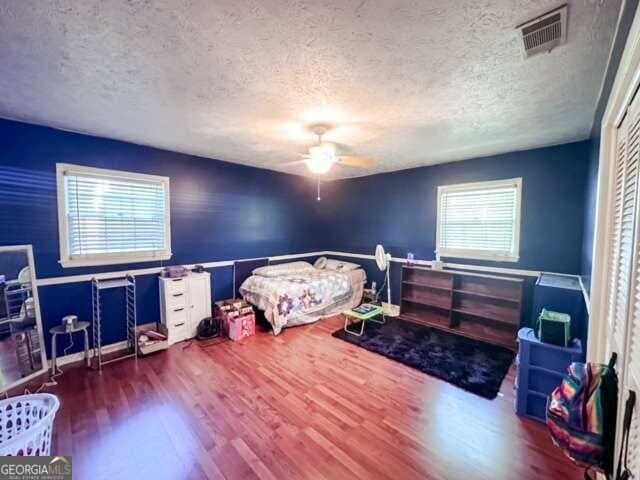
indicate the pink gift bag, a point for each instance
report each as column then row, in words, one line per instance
column 241, row 327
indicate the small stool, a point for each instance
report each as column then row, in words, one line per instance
column 61, row 330
column 355, row 314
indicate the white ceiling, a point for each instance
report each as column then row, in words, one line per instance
column 410, row 82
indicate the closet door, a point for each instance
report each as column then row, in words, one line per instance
column 627, row 340
column 625, row 325
column 622, row 239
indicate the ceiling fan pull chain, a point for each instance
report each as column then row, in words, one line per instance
column 318, row 190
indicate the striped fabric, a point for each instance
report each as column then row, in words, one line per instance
column 575, row 414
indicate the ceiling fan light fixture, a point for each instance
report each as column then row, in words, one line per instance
column 324, row 149
column 321, row 158
column 319, row 164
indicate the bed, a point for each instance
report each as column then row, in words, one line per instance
column 297, row 293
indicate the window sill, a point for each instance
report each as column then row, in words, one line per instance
column 115, row 260
column 479, row 256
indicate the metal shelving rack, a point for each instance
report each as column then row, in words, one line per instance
column 129, row 284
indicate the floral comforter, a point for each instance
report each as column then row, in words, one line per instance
column 303, row 297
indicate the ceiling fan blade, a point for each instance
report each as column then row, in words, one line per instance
column 359, row 162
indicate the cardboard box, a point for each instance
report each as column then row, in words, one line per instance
column 152, row 345
column 237, row 318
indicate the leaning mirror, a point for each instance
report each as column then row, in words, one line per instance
column 22, row 355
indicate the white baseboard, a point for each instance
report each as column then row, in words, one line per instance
column 79, row 356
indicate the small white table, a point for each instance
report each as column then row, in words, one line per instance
column 353, row 316
column 61, row 330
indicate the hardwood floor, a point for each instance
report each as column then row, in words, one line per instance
column 300, row 405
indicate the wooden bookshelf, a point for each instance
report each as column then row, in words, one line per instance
column 484, row 307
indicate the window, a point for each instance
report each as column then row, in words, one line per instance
column 107, row 217
column 480, row 220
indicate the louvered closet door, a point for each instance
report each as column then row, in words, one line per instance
column 629, row 340
column 625, row 326
column 622, row 235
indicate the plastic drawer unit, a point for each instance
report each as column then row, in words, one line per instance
column 541, row 368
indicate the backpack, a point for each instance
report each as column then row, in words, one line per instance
column 581, row 414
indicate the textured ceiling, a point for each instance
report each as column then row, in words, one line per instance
column 410, row 82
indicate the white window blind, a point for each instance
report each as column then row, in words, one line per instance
column 112, row 217
column 480, row 220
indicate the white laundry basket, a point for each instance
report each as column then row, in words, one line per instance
column 26, row 423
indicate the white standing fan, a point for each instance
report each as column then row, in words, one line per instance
column 383, row 260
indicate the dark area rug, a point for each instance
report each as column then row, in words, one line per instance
column 475, row 366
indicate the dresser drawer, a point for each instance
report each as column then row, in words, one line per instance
column 176, row 318
column 177, row 334
column 175, row 301
column 175, row 285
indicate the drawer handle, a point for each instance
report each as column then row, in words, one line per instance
column 178, row 294
column 179, row 324
column 177, row 280
column 178, row 309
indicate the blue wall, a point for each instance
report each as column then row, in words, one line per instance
column 11, row 263
column 219, row 211
column 591, row 199
column 626, row 19
column 398, row 209
column 223, row 211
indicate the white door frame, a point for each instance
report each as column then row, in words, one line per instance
column 626, row 82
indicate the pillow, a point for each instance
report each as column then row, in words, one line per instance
column 320, row 263
column 339, row 266
column 283, row 269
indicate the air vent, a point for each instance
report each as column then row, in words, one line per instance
column 545, row 32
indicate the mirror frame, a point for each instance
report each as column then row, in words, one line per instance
column 28, row 249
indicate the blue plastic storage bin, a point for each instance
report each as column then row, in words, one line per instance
column 541, row 368
column 561, row 293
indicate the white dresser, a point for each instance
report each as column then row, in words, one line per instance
column 183, row 303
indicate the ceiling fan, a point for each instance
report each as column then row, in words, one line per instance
column 322, row 156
